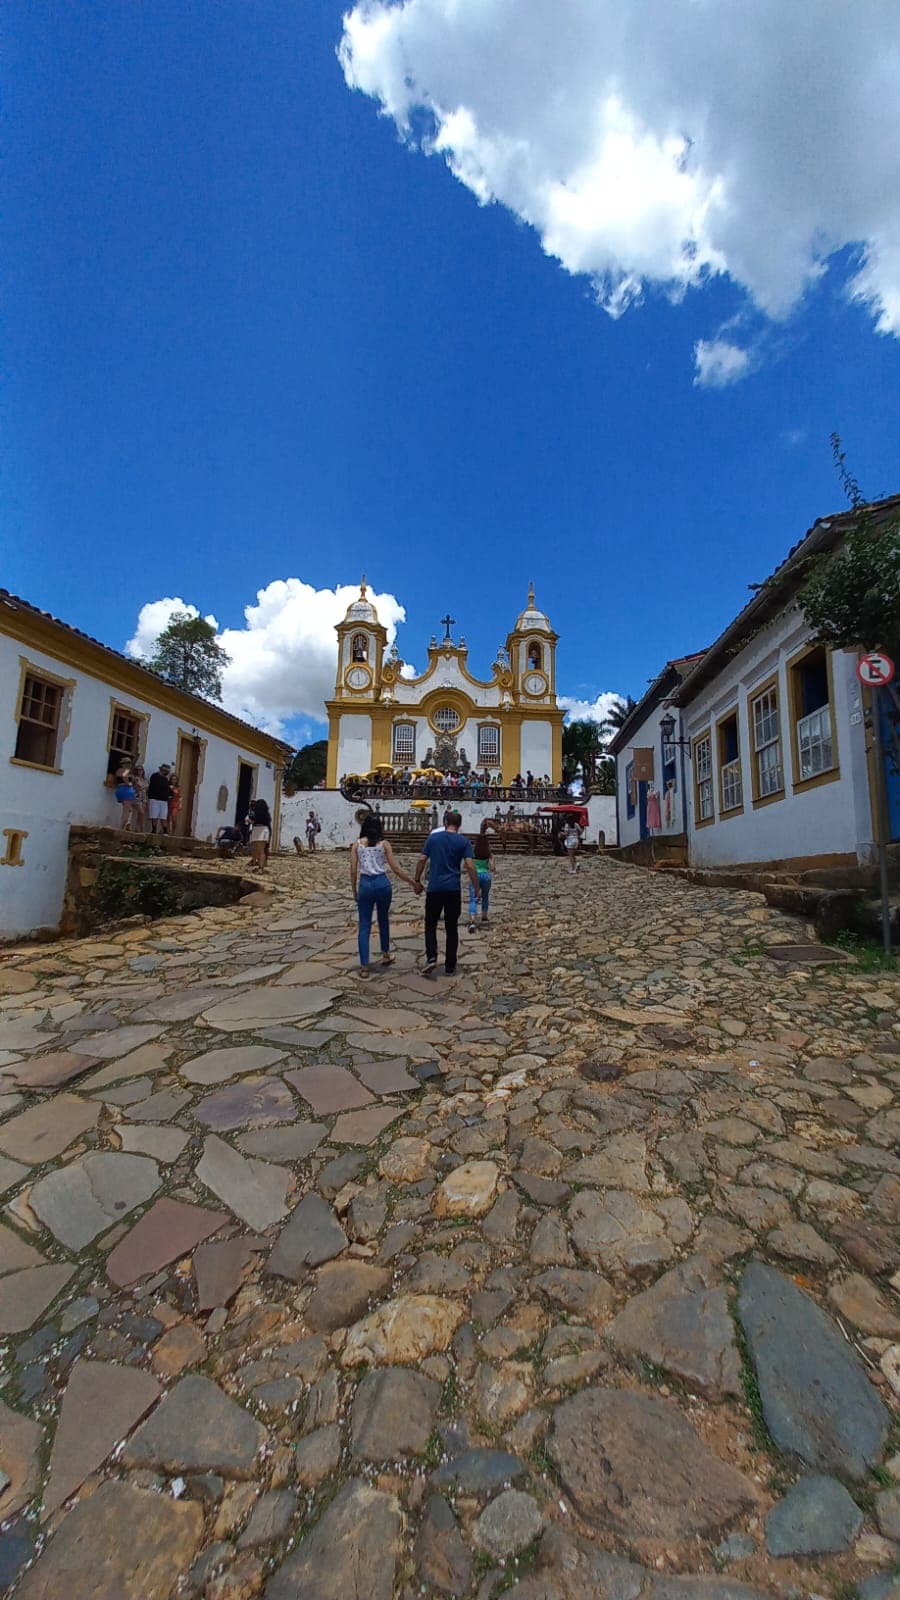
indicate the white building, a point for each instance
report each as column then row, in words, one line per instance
column 509, row 723
column 73, row 711
column 652, row 773
column 781, row 770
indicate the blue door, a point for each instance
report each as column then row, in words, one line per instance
column 889, row 707
column 642, row 809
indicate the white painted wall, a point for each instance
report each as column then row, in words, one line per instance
column 340, row 827
column 830, row 818
column 446, row 672
column 354, row 742
column 537, row 748
column 45, row 803
column 31, row 895
column 646, row 736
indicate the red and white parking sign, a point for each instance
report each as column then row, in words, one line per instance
column 875, row 669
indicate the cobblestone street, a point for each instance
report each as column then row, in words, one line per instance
column 574, row 1275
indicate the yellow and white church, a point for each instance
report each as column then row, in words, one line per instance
column 509, row 723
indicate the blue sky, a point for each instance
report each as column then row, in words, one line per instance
column 251, row 335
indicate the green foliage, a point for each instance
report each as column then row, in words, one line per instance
column 122, row 892
column 307, row 767
column 616, row 717
column 189, row 655
column 604, row 778
column 851, row 596
column 869, row 953
column 582, row 743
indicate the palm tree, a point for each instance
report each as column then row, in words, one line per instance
column 582, row 744
column 615, row 718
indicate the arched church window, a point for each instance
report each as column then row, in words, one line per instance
column 445, row 719
column 359, row 647
column 535, row 657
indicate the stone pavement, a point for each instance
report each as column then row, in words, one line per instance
column 575, row 1275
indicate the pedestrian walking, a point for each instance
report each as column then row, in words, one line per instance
column 159, row 793
column 312, row 828
column 371, row 859
column 571, row 841
column 485, row 869
column 445, row 853
column 260, row 820
column 126, row 796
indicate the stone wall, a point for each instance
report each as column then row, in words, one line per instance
column 113, row 875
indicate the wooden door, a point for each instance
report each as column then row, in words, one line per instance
column 187, row 766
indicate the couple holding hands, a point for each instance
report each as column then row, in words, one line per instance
column 446, row 851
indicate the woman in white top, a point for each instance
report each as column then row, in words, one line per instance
column 371, row 858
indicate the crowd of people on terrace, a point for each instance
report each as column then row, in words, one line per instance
column 423, row 783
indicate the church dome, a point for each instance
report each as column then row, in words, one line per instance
column 532, row 620
column 361, row 610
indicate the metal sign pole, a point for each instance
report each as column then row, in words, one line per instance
column 881, row 810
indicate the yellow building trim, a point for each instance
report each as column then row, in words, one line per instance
column 334, row 726
column 142, row 718
column 276, row 811
column 705, row 736
column 732, row 715
column 437, row 654
column 456, row 699
column 382, row 721
column 73, row 649
column 800, row 785
column 33, row 669
column 556, row 770
column 770, row 685
column 511, row 744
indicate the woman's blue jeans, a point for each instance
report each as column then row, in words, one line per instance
column 484, row 884
column 373, row 893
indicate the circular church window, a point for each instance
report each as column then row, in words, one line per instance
column 446, row 719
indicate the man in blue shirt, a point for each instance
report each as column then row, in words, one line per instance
column 445, row 851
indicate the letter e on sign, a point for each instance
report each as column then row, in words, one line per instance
column 875, row 669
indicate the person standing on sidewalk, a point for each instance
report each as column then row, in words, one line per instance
column 159, row 793
column 445, row 852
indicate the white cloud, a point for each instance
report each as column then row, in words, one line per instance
column 718, row 363
column 597, row 710
column 660, row 144
column 153, row 619
column 283, row 660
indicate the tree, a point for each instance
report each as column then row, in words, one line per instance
column 615, row 718
column 605, row 782
column 189, row 655
column 582, row 745
column 307, row 766
column 851, row 596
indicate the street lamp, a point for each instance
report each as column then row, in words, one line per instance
column 667, row 729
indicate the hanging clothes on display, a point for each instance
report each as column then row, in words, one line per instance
column 654, row 815
column 669, row 806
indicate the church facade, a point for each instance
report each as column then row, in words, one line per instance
column 507, row 724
